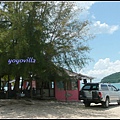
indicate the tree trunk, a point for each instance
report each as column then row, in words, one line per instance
column 31, row 95
column 0, row 82
column 16, row 87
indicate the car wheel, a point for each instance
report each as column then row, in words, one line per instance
column 106, row 103
column 87, row 104
column 118, row 102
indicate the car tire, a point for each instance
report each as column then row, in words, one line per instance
column 106, row 103
column 118, row 102
column 87, row 104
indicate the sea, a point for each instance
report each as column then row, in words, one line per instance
column 117, row 85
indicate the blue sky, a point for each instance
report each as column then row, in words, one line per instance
column 105, row 47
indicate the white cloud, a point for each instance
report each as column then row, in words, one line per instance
column 93, row 17
column 85, row 5
column 103, row 68
column 102, row 64
column 98, row 28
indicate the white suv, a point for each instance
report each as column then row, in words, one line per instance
column 99, row 93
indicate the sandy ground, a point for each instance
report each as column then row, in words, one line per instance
column 51, row 109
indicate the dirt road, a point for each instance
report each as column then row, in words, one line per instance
column 40, row 109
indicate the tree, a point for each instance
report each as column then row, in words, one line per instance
column 46, row 31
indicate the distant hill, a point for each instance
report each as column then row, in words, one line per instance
column 113, row 78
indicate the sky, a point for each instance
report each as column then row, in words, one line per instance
column 105, row 47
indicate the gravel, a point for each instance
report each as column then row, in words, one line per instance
column 51, row 109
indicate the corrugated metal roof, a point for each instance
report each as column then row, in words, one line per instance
column 78, row 75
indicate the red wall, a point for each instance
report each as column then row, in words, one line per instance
column 73, row 95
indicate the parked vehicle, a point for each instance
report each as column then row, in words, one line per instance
column 103, row 93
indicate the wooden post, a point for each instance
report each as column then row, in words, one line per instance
column 66, row 91
column 7, row 95
column 21, row 84
column 31, row 88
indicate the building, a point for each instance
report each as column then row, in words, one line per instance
column 69, row 91
column 64, row 90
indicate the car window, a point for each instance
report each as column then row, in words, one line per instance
column 90, row 87
column 95, row 87
column 86, row 87
column 104, row 87
column 112, row 88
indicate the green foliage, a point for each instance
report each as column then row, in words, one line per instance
column 46, row 31
column 113, row 78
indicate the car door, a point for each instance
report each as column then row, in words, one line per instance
column 105, row 90
column 116, row 93
column 87, row 91
column 113, row 93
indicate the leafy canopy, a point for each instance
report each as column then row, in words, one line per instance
column 46, row 31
